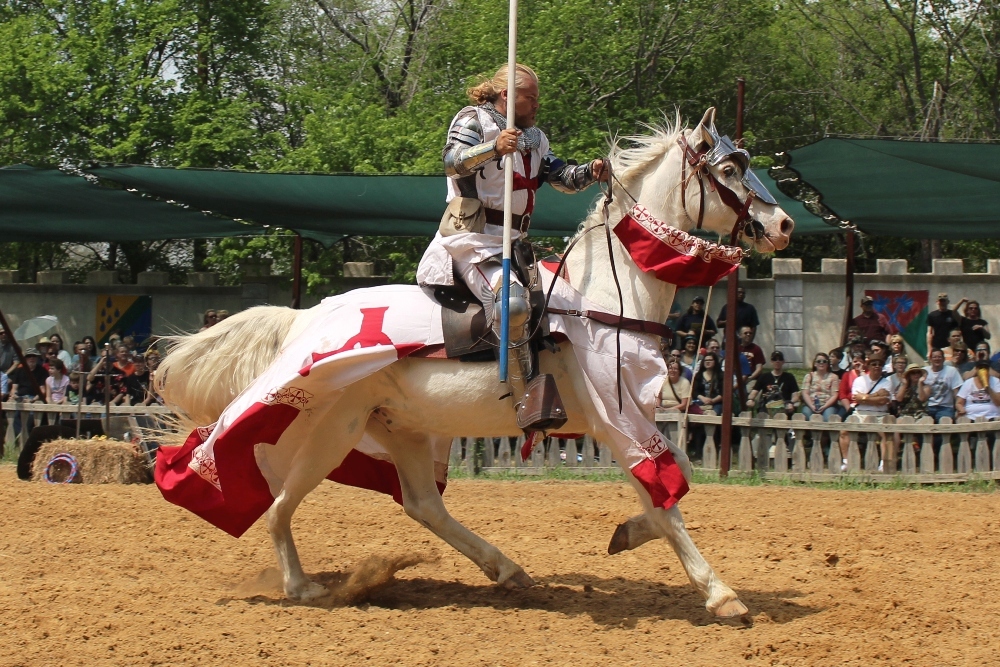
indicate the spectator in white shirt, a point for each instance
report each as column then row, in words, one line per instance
column 870, row 398
column 979, row 396
column 943, row 380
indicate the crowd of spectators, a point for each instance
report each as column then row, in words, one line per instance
column 871, row 375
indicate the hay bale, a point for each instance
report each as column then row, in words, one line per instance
column 100, row 461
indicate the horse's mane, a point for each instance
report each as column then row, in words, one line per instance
column 631, row 155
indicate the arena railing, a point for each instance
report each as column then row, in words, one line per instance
column 794, row 448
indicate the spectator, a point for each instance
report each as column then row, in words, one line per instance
column 27, row 385
column 43, row 346
column 870, row 396
column 672, row 319
column 871, row 325
column 209, row 319
column 689, row 353
column 691, row 322
column 819, row 389
column 707, row 385
column 940, row 323
column 752, row 352
column 8, row 357
column 955, row 343
column 980, row 360
column 675, row 355
column 676, row 391
column 712, row 345
column 775, row 391
column 123, row 360
column 57, row 345
column 896, row 348
column 913, row 392
column 943, row 381
column 847, row 382
column 152, row 359
column 836, row 357
column 4, row 395
column 56, row 383
column 73, row 395
column 974, row 328
column 746, row 314
column 223, row 314
column 979, row 396
column 897, row 369
column 82, row 361
column 91, row 346
column 137, row 384
column 103, row 383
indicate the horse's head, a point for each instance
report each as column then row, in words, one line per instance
column 703, row 180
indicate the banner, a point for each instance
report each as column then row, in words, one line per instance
column 124, row 315
column 906, row 311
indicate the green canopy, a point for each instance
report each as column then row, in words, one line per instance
column 49, row 205
column 375, row 205
column 932, row 190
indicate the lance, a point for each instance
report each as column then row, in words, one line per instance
column 508, row 190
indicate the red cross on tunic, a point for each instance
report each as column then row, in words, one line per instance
column 527, row 183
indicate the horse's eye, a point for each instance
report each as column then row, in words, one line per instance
column 729, row 172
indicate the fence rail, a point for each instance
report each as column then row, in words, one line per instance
column 923, row 452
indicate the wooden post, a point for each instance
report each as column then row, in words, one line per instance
column 734, row 366
column 297, row 272
column 849, row 288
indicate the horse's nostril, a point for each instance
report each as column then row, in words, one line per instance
column 787, row 225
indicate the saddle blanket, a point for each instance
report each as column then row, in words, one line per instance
column 221, row 472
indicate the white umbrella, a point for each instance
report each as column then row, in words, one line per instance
column 36, row 326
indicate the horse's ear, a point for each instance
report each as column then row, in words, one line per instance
column 701, row 137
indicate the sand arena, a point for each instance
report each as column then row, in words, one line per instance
column 111, row 574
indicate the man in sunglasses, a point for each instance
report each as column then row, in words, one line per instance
column 870, row 398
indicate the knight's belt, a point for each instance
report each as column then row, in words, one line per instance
column 642, row 326
column 520, row 222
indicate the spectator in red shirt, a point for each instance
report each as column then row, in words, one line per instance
column 872, row 325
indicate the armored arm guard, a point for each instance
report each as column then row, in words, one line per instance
column 465, row 152
column 568, row 178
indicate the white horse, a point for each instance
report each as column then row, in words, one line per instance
column 429, row 402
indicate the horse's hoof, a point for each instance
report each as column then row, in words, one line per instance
column 619, row 541
column 519, row 579
column 732, row 609
column 312, row 591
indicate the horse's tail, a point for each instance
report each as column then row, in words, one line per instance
column 202, row 373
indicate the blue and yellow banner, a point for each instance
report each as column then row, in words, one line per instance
column 124, row 315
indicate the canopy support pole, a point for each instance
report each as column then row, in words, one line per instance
column 734, row 366
column 508, row 190
column 848, row 288
column 20, row 356
column 297, row 272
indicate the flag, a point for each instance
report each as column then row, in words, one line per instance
column 906, row 311
column 125, row 315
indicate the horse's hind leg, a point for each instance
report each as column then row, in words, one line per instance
column 412, row 454
column 336, row 434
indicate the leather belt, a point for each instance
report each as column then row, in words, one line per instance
column 519, row 222
column 642, row 326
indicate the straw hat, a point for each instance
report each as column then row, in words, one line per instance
column 913, row 367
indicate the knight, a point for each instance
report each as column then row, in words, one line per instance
column 469, row 243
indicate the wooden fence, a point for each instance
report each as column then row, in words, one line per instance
column 793, row 448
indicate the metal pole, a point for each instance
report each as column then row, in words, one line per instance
column 732, row 354
column 297, row 272
column 848, row 288
column 107, row 389
column 508, row 188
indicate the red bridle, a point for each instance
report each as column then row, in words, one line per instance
column 699, row 168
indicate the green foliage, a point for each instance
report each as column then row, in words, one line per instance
column 362, row 86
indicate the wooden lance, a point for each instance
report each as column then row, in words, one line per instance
column 508, row 190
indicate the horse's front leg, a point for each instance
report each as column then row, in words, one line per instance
column 720, row 599
column 412, row 454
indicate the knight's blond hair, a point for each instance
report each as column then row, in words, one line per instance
column 488, row 89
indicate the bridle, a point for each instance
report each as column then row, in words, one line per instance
column 699, row 163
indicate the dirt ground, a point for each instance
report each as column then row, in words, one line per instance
column 115, row 575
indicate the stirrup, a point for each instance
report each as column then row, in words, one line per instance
column 540, row 408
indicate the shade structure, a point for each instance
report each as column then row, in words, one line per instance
column 50, row 205
column 932, row 190
column 363, row 204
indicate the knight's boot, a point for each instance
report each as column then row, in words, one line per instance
column 540, row 407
